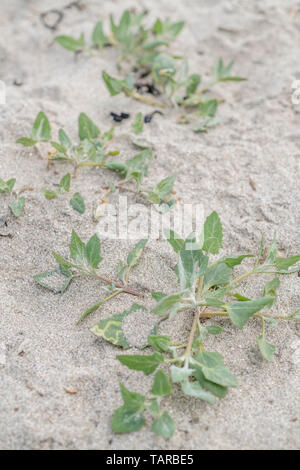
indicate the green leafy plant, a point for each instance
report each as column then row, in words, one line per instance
column 40, row 132
column 135, row 169
column 76, row 200
column 179, row 87
column 17, row 202
column 90, row 151
column 130, row 35
column 208, row 289
column 85, row 260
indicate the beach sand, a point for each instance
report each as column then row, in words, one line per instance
column 247, row 169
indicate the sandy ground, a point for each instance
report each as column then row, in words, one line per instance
column 42, row 350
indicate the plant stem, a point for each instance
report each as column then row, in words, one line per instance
column 192, row 334
column 90, row 164
column 146, row 99
column 243, row 276
column 99, row 303
column 128, row 290
column 256, row 315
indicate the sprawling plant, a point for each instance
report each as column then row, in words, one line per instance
column 137, row 42
column 208, row 289
column 85, row 260
column 92, row 151
column 147, row 55
column 16, row 202
column 172, row 79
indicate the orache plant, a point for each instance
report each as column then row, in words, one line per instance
column 207, row 289
column 16, row 203
column 85, row 262
column 135, row 169
column 135, row 41
column 76, row 200
column 179, row 88
column 90, row 151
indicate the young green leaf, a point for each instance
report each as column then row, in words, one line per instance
column 240, row 311
column 283, row 264
column 7, row 186
column 159, row 342
column 216, row 275
column 267, row 349
column 138, row 124
column 192, row 84
column 161, row 385
column 134, row 256
column 194, row 389
column 87, row 129
column 164, row 425
column 57, row 280
column 98, row 37
column 26, row 141
column 217, row 390
column 110, row 328
column 77, row 203
column 174, row 239
column 116, row 86
column 211, row 364
column 77, row 249
column 167, row 304
column 158, row 296
column 234, row 260
column 145, row 363
column 17, row 206
column 50, row 194
column 65, row 182
column 64, row 139
column 70, row 43
column 41, row 130
column 125, row 420
column 212, row 233
column 180, row 374
column 132, row 400
column 92, row 251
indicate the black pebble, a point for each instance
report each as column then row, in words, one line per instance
column 119, row 117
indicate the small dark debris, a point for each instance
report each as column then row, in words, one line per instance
column 194, row 420
column 18, row 82
column 119, row 117
column 148, row 117
column 252, row 184
column 77, row 4
column 52, row 18
column 298, row 273
column 147, row 88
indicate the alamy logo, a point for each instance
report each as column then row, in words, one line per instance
column 135, row 221
column 2, row 93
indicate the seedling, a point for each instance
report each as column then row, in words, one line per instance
column 85, row 262
column 135, row 169
column 76, row 200
column 16, row 203
column 136, row 42
column 63, row 187
column 208, row 289
column 90, row 151
column 180, row 88
column 41, row 132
